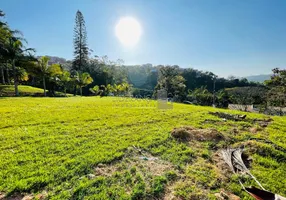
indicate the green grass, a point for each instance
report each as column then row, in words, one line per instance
column 51, row 145
column 24, row 90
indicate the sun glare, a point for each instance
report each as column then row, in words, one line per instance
column 128, row 31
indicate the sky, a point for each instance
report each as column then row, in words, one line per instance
column 227, row 37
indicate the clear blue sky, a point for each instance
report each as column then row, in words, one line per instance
column 227, row 37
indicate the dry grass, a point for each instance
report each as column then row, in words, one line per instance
column 224, row 195
column 190, row 133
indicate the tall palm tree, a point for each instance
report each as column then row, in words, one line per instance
column 44, row 70
column 11, row 48
column 14, row 51
column 4, row 34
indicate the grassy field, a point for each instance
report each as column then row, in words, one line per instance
column 116, row 148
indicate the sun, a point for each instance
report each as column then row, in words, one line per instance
column 128, row 31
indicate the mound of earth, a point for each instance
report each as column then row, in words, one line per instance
column 189, row 133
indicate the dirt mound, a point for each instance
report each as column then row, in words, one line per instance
column 189, row 133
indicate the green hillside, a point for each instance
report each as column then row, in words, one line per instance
column 24, row 90
column 120, row 148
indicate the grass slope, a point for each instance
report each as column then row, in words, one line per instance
column 95, row 148
column 24, row 90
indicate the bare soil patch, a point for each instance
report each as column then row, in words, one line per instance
column 40, row 196
column 136, row 157
column 224, row 195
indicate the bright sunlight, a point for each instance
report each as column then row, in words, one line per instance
column 128, row 31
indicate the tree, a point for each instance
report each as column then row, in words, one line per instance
column 21, row 74
column 201, row 96
column 82, row 80
column 44, row 70
column 222, row 99
column 171, row 81
column 65, row 80
column 5, row 33
column 80, row 43
column 54, row 73
column 247, row 95
column 277, row 88
column 14, row 51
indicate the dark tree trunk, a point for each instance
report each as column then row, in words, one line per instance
column 15, row 78
column 7, row 74
column 33, row 81
column 74, row 93
column 44, row 84
column 2, row 75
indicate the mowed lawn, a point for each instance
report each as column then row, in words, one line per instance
column 52, row 147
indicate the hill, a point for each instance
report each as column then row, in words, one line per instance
column 24, row 90
column 55, row 60
column 120, row 148
column 259, row 78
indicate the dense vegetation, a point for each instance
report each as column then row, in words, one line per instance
column 90, row 147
